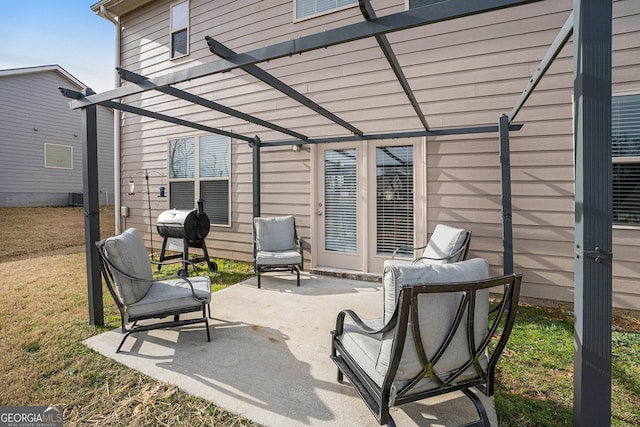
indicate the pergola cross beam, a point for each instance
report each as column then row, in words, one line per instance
column 257, row 72
column 558, row 43
column 73, row 94
column 198, row 100
column 369, row 13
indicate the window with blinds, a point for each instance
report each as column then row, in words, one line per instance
column 340, row 208
column 179, row 29
column 199, row 169
column 419, row 3
column 306, row 8
column 625, row 146
column 394, row 199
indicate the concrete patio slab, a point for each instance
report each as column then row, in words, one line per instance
column 268, row 359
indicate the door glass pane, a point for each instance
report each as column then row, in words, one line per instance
column 340, row 201
column 394, row 199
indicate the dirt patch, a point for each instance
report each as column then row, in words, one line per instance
column 28, row 232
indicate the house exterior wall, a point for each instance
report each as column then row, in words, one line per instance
column 465, row 72
column 33, row 113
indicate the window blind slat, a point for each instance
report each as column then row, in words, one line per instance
column 216, row 200
column 181, row 195
column 311, row 7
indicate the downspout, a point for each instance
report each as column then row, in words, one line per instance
column 116, row 125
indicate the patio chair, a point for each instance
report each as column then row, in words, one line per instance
column 422, row 346
column 447, row 244
column 276, row 246
column 127, row 272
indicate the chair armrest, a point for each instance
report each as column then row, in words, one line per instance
column 141, row 279
column 406, row 247
column 363, row 327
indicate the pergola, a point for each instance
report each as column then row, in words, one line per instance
column 590, row 24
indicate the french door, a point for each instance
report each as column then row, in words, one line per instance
column 366, row 204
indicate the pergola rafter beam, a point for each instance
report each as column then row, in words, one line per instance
column 74, row 94
column 369, row 14
column 181, row 94
column 397, row 135
column 170, row 119
column 558, row 43
column 257, row 72
column 400, row 21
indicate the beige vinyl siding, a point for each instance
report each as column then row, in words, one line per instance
column 464, row 72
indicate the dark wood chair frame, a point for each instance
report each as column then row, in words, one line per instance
column 501, row 321
column 464, row 249
column 107, row 268
column 292, row 268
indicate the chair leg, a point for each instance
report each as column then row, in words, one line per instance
column 484, row 418
column 122, row 342
column 258, row 279
column 206, row 308
column 298, row 272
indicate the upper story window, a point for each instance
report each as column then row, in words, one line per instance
column 625, row 140
column 199, row 169
column 306, row 8
column 179, row 29
column 418, row 3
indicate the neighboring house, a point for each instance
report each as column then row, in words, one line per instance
column 355, row 201
column 41, row 140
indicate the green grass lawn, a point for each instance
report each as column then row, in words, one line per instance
column 535, row 374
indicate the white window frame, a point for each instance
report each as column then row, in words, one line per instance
column 172, row 30
column 324, row 12
column 196, row 175
column 625, row 159
column 47, row 166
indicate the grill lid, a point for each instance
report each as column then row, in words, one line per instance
column 183, row 224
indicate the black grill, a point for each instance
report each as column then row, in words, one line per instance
column 191, row 227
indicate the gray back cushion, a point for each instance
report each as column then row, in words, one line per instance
column 444, row 241
column 129, row 254
column 275, row 234
column 436, row 313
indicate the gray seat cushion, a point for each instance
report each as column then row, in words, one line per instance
column 169, row 295
column 436, row 314
column 278, row 258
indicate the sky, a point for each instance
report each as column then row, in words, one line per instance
column 63, row 32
